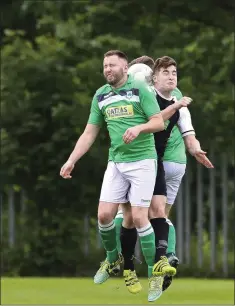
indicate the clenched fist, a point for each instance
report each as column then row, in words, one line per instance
column 183, row 102
column 67, row 169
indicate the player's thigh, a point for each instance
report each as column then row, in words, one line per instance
column 115, row 186
column 142, row 176
column 174, row 173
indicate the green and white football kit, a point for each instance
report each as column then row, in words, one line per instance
column 131, row 171
column 130, row 174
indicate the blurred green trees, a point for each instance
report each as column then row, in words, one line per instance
column 51, row 65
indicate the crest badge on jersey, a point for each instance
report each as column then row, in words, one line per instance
column 129, row 94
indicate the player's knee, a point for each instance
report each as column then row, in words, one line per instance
column 157, row 207
column 157, row 213
column 137, row 221
column 105, row 217
column 140, row 216
column 140, row 221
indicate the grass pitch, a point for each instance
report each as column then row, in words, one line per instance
column 84, row 291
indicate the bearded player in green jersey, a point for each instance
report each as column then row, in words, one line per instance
column 130, row 110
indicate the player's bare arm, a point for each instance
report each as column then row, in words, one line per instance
column 194, row 148
column 83, row 145
column 170, row 110
column 155, row 124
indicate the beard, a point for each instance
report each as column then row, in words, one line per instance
column 114, row 78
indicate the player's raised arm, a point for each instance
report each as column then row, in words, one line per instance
column 169, row 111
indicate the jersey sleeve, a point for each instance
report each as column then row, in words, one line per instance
column 185, row 123
column 148, row 101
column 96, row 116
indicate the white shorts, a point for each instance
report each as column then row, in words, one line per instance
column 174, row 173
column 129, row 182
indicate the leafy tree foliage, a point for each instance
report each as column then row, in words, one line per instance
column 51, row 66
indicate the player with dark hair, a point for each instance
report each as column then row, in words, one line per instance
column 170, row 145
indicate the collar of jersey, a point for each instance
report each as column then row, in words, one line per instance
column 161, row 95
column 129, row 81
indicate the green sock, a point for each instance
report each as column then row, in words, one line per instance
column 150, row 271
column 108, row 237
column 118, row 224
column 147, row 242
column 171, row 238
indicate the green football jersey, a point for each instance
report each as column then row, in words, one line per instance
column 175, row 149
column 122, row 108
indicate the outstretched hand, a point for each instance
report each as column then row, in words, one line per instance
column 202, row 159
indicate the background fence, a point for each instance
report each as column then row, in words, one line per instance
column 203, row 216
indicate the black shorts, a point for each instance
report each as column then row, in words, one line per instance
column 160, row 184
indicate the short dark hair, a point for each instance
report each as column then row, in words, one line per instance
column 116, row 52
column 163, row 62
column 143, row 60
